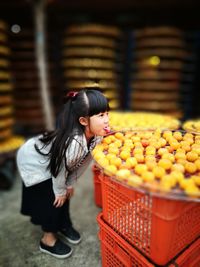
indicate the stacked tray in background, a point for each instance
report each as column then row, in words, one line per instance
column 27, row 100
column 9, row 142
column 91, row 58
column 6, row 88
column 159, row 58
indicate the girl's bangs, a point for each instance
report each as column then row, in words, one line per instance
column 98, row 104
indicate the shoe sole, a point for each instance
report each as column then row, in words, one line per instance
column 69, row 240
column 56, row 255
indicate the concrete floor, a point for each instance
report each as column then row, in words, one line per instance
column 19, row 239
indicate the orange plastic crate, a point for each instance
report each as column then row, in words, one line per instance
column 97, row 186
column 116, row 251
column 160, row 228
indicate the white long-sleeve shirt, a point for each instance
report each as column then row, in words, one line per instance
column 32, row 166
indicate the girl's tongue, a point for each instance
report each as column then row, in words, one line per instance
column 107, row 129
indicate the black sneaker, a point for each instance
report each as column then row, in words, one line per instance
column 59, row 250
column 71, row 235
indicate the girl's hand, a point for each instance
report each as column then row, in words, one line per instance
column 59, row 201
column 70, row 192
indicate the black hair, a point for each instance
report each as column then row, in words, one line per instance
column 85, row 103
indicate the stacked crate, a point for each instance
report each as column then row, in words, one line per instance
column 91, row 59
column 159, row 59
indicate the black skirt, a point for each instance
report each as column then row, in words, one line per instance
column 37, row 202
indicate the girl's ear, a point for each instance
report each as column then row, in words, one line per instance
column 83, row 121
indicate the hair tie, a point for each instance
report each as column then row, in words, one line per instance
column 71, row 94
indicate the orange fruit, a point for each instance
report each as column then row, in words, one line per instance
column 147, row 176
column 178, row 167
column 123, row 174
column 139, row 158
column 131, row 162
column 162, row 151
column 168, row 156
column 124, row 154
column 178, row 135
column 192, row 156
column 151, row 164
column 134, row 180
column 196, row 179
column 165, row 163
column 197, row 163
column 113, row 150
column 115, row 161
column 158, row 171
column 140, row 168
column 103, row 162
column 110, row 169
column 180, row 155
column 119, row 135
column 190, row 167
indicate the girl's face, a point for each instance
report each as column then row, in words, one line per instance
column 97, row 125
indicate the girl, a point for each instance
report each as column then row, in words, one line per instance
column 49, row 164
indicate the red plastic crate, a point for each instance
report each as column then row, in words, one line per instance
column 116, row 251
column 160, row 228
column 190, row 257
column 97, row 186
